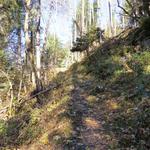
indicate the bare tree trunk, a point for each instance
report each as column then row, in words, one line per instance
column 115, row 26
column 38, row 83
column 110, row 19
column 26, row 27
column 83, row 16
column 90, row 16
column 30, row 48
column 38, row 50
column 75, row 17
column 92, row 12
column 98, row 13
column 27, row 38
column 19, row 91
column 19, row 48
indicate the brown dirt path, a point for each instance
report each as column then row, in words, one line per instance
column 88, row 122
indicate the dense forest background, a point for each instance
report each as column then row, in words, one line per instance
column 74, row 69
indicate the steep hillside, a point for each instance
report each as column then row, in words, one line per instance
column 100, row 103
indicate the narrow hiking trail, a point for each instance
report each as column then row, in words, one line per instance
column 88, row 120
column 89, row 125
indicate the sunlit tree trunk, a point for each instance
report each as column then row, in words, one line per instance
column 115, row 26
column 29, row 43
column 83, row 16
column 98, row 13
column 29, row 50
column 26, row 29
column 90, row 16
column 75, row 16
column 38, row 50
column 110, row 18
column 92, row 13
column 123, row 22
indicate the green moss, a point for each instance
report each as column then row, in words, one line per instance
column 35, row 116
column 2, row 128
column 139, row 62
column 29, row 133
column 58, row 103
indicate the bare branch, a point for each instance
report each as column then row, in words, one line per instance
column 130, row 15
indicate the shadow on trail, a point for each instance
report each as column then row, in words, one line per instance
column 118, row 118
column 87, row 130
column 77, row 108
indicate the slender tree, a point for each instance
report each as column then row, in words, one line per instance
column 30, row 49
column 38, row 49
column 110, row 18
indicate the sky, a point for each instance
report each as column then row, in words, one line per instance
column 61, row 22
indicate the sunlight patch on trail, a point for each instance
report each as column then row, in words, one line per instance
column 91, row 123
column 112, row 105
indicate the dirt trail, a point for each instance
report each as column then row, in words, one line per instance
column 89, row 127
column 88, row 123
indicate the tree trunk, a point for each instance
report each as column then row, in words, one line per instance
column 92, row 12
column 38, row 50
column 83, row 16
column 19, row 48
column 90, row 16
column 110, row 19
column 30, row 48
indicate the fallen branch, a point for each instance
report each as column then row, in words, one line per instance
column 37, row 94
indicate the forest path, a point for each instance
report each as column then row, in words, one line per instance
column 88, row 120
